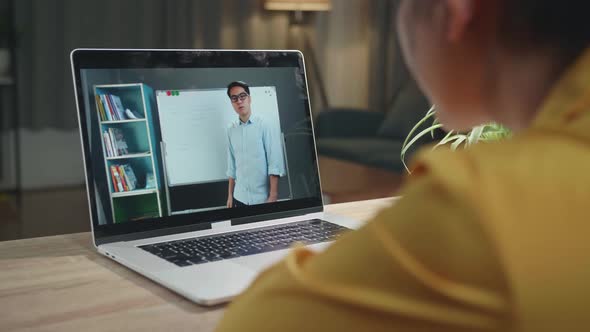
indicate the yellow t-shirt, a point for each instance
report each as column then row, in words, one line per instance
column 493, row 238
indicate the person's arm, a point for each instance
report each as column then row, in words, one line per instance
column 273, row 192
column 230, row 192
column 423, row 264
column 273, row 149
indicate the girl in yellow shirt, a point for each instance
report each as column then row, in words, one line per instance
column 492, row 238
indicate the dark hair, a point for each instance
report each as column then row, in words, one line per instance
column 548, row 23
column 240, row 84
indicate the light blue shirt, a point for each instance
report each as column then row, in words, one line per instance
column 253, row 155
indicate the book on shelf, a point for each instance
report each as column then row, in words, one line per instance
column 109, row 99
column 107, row 143
column 114, row 180
column 107, row 109
column 114, row 141
column 118, row 107
column 120, row 144
column 110, row 108
column 117, row 183
column 130, row 175
column 99, row 108
column 123, row 177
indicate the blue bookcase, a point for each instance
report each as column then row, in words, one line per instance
column 130, row 151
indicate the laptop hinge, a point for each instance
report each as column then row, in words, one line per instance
column 221, row 224
column 277, row 215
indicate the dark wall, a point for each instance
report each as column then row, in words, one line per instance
column 294, row 119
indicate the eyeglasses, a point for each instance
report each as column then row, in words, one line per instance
column 242, row 96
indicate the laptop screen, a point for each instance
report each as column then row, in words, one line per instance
column 178, row 138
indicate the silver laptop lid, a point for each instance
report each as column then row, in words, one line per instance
column 165, row 131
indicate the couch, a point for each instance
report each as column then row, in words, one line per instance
column 373, row 138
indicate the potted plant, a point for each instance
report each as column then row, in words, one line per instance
column 485, row 132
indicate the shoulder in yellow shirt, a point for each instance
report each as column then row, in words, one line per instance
column 492, row 238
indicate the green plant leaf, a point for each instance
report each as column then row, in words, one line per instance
column 458, row 141
column 417, row 137
column 444, row 140
column 486, row 132
column 430, row 113
column 451, row 139
column 434, row 122
column 474, row 135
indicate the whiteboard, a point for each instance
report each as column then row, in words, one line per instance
column 194, row 127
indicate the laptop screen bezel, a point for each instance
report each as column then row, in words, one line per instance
column 158, row 58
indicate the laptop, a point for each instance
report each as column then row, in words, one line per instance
column 201, row 167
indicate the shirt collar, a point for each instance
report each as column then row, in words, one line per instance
column 567, row 107
column 247, row 122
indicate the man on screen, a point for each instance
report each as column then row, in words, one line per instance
column 254, row 157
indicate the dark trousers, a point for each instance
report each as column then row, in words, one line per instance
column 237, row 203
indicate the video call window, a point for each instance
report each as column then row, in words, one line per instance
column 172, row 141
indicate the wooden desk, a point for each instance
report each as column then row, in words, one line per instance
column 61, row 283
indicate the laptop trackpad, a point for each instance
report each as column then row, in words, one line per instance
column 208, row 283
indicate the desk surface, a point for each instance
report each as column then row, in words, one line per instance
column 61, row 283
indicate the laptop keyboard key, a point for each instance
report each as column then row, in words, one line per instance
column 198, row 260
column 180, row 262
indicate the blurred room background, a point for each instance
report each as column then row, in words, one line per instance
column 363, row 101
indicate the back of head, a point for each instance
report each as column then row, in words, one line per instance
column 466, row 54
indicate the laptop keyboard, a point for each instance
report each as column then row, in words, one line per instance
column 244, row 243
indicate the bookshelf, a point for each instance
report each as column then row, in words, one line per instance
column 130, row 150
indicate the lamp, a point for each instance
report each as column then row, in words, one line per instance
column 298, row 9
column 301, row 5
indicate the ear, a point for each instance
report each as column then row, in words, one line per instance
column 460, row 14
